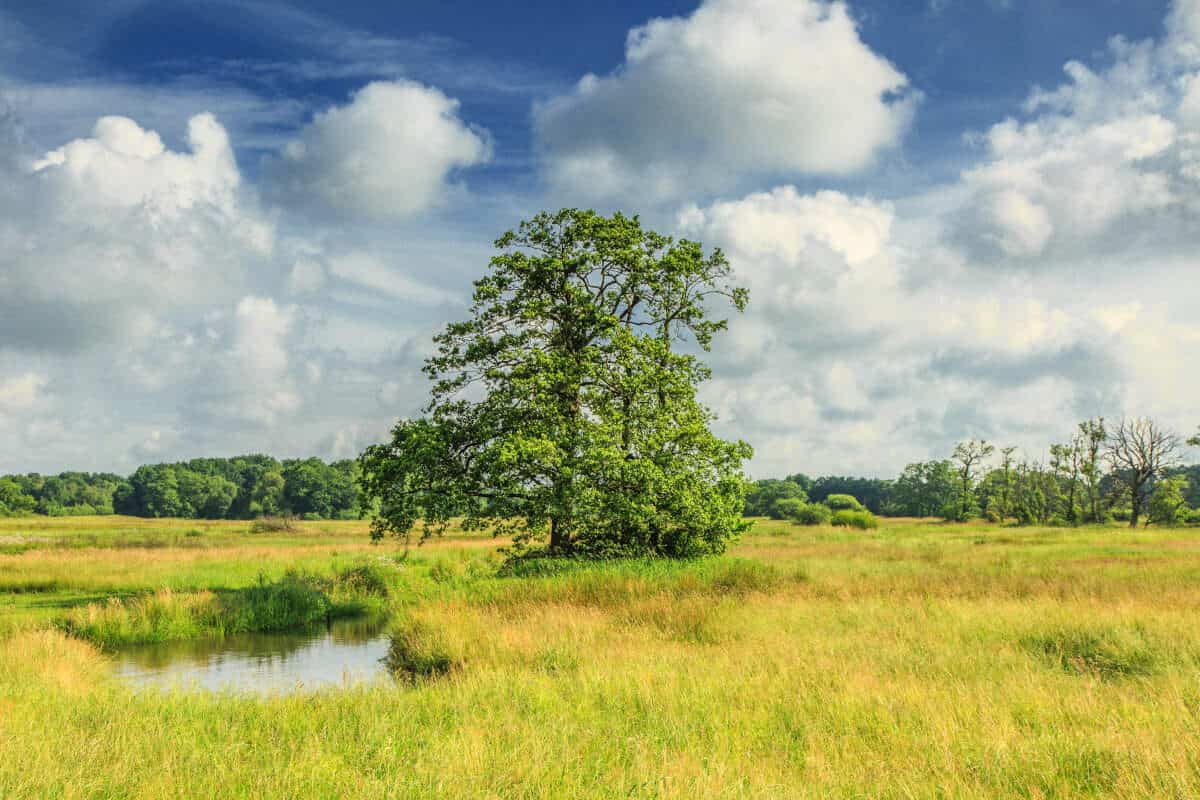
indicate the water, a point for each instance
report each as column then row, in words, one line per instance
column 349, row 652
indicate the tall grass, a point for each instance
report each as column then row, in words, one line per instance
column 917, row 660
column 296, row 602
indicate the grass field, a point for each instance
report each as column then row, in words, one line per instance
column 917, row 660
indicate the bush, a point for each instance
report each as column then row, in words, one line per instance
column 1193, row 517
column 812, row 514
column 1122, row 514
column 844, row 502
column 863, row 520
column 787, row 508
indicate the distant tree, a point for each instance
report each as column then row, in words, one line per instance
column 14, row 502
column 562, row 409
column 968, row 459
column 1066, row 460
column 309, row 488
column 267, row 495
column 1093, row 438
column 1168, row 502
column 1004, row 483
column 1139, row 451
column 872, row 492
column 1036, row 494
column 923, row 490
column 1195, row 440
column 788, row 508
column 764, row 495
column 801, row 480
column 156, row 491
column 204, row 496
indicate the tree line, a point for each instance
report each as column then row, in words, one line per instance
column 1131, row 471
column 244, row 487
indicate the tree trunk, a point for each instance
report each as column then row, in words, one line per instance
column 557, row 539
column 1137, row 508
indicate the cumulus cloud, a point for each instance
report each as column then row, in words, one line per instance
column 388, row 154
column 100, row 237
column 738, row 89
column 1112, row 154
column 847, row 363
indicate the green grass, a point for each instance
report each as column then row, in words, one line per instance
column 914, row 660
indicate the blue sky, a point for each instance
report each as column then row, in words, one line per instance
column 949, row 212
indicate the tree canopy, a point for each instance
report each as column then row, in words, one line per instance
column 565, row 407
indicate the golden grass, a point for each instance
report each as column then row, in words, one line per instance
column 915, row 661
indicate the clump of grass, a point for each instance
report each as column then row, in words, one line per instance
column 863, row 520
column 1107, row 653
column 284, row 523
column 419, row 651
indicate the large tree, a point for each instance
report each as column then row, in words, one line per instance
column 1139, row 452
column 565, row 407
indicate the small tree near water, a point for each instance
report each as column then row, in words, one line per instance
column 564, row 409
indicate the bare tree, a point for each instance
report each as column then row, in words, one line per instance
column 1139, row 451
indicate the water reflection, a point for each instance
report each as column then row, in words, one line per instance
column 348, row 652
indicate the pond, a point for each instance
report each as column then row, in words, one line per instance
column 348, row 652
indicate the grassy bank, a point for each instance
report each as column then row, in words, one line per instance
column 916, row 660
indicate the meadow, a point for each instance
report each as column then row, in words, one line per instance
column 915, row 660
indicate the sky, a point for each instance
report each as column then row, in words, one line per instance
column 231, row 227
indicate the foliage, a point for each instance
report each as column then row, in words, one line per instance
column 873, row 493
column 843, row 502
column 762, row 497
column 244, row 487
column 563, row 410
column 922, row 490
column 1168, row 503
column 811, row 514
column 968, row 459
column 787, row 508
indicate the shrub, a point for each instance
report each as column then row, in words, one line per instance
column 863, row 520
column 1122, row 514
column 812, row 514
column 844, row 502
column 787, row 508
column 1193, row 517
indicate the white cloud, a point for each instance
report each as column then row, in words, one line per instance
column 1111, row 154
column 740, row 88
column 388, row 154
column 103, row 236
column 370, row 273
column 22, row 392
column 844, row 362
